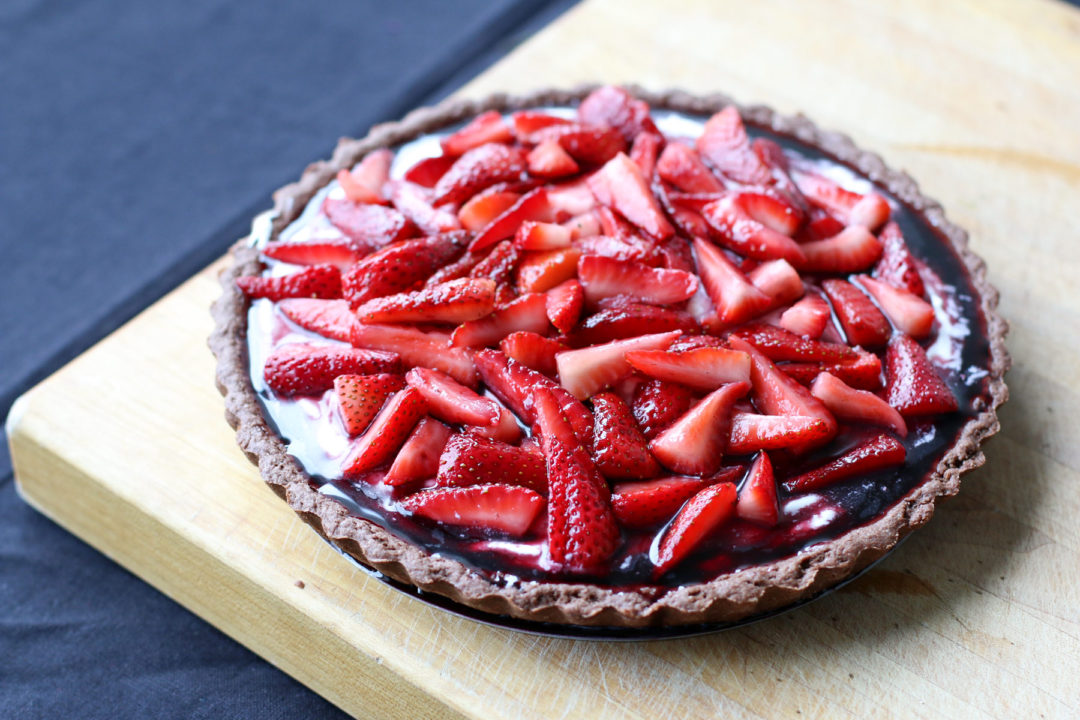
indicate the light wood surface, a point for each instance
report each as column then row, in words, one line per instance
column 977, row 615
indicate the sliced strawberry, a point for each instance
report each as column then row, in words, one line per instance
column 527, row 122
column 341, row 252
column 910, row 314
column 418, row 458
column 688, row 221
column 699, row 517
column 855, row 249
column 360, row 397
column 549, row 160
column 750, row 432
column 470, row 460
column 542, row 270
column 808, row 317
column 864, row 372
column 870, row 211
column 571, row 198
column 772, row 155
column 317, row 281
column 863, row 323
column 449, row 400
column 426, row 172
column 478, row 169
column 364, row 183
column 644, row 152
column 302, row 369
column 725, row 146
column 897, row 267
column 615, row 107
column 456, row 270
column 484, row 207
column 504, row 509
column 628, row 320
column 822, row 226
column 631, row 249
column 564, row 304
column 532, row 206
column 583, row 225
column 533, row 351
column 542, row 236
column 912, row 384
column 371, row 224
column 657, row 404
column 702, row 368
column 329, row 318
column 647, row 504
column 398, row 267
column 620, row 186
column 779, row 344
column 621, row 449
column 417, row 349
column 681, row 166
column 582, row 531
column 677, row 254
column 694, row 444
column 414, row 202
column 587, row 144
column 738, row 230
column 878, row 453
column 857, row 406
column 487, row 127
column 506, row 429
column 386, row 434
column 526, row 313
column 499, row 264
column 456, row 301
column 588, row 370
column 603, row 277
column 757, row 496
column 778, row 280
column 736, row 300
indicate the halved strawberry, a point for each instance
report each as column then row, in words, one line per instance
column 897, row 267
column 487, row 127
column 532, row 350
column 302, row 369
column 542, row 270
column 912, row 384
column 386, row 434
column 808, row 317
column 681, row 166
column 526, row 313
column 778, row 280
column 772, row 155
column 646, row 504
column 910, row 314
column 449, row 400
column 854, row 249
column 417, row 349
column 779, row 344
column 341, row 252
column 677, row 254
column 587, row 144
column 317, row 281
column 506, row 429
column 582, row 226
column 694, row 444
column 615, row 107
column 549, row 160
column 757, row 496
column 704, row 368
column 418, row 458
column 864, row 372
column 863, row 323
column 371, row 224
column 603, row 277
column 470, row 460
column 527, row 122
column 630, row 319
column 542, row 236
column 564, row 303
column 751, row 432
column 571, row 198
column 878, row 453
column 484, row 207
column 644, row 152
column 870, row 211
column 533, row 205
column 620, row 186
column 621, row 450
column 725, row 146
column 499, row 264
column 582, row 531
column 588, row 370
column 398, row 267
column 657, row 404
column 414, row 202
column 630, row 249
column 699, row 517
column 426, row 172
column 360, row 397
column 505, row 509
column 455, row 270
column 456, row 301
column 364, row 183
column 688, row 221
column 735, row 299
column 847, row 403
column 738, row 230
column 329, row 318
column 478, row 169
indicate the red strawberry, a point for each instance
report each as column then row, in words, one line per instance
column 487, row 127
column 778, row 280
column 456, row 301
column 317, row 281
column 699, row 517
column 542, row 236
column 870, row 211
column 588, row 370
column 364, row 183
column 414, row 202
column 582, row 532
column 426, row 172
column 478, row 169
column 628, row 320
column 857, row 406
column 897, row 267
column 588, row 145
column 564, row 303
column 677, row 254
column 527, row 122
column 583, row 225
column 456, row 270
column 542, row 270
column 631, row 248
column 688, row 221
column 864, row 372
column 532, row 206
column 449, row 400
column 360, row 397
column 681, row 166
column 329, row 318
column 644, row 152
column 735, row 299
column 772, row 155
column 702, row 368
column 657, row 404
column 533, row 351
column 912, row 384
column 750, row 432
column 505, row 430
column 863, row 323
column 615, row 107
column 549, row 160
column 620, row 186
column 499, row 264
column 371, row 224
column 646, row 504
column 484, row 207
column 417, row 349
column 386, row 434
column 504, row 509
column 301, row 369
column 853, row 250
column 603, row 277
column 878, row 453
column 724, row 145
column 621, row 450
column 526, row 313
column 341, row 252
column 757, row 496
column 694, row 444
column 571, row 198
column 910, row 314
column 470, row 460
column 738, row 230
column 398, row 267
column 808, row 317
column 779, row 344
column 418, row 458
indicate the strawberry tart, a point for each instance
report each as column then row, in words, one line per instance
column 610, row 358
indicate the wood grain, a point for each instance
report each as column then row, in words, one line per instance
column 977, row 615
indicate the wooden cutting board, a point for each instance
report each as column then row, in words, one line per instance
column 977, row 615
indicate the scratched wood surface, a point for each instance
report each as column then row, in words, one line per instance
column 977, row 615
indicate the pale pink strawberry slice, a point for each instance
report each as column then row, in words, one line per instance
column 699, row 517
column 603, row 277
column 681, row 166
column 725, row 145
column 735, row 299
column 877, row 453
column 526, row 313
column 870, row 211
column 778, row 280
column 456, row 301
column 373, row 225
column 506, row 429
column 533, row 205
column 645, row 151
column 585, row 225
column 695, row 443
column 630, row 319
column 426, row 172
column 449, row 400
column 542, row 270
column 478, row 169
column 360, row 397
column 586, row 371
column 582, row 531
column 859, row 406
column 864, row 372
column 504, row 509
column 364, row 183
column 386, row 434
column 646, row 504
column 751, row 432
column 621, row 449
column 341, row 252
column 418, row 458
column 533, row 351
column 910, row 314
column 329, row 318
column 487, row 127
column 620, row 186
column 317, row 281
column 861, row 320
column 808, row 317
column 779, row 344
column 398, row 267
column 897, row 267
column 542, row 236
column 738, row 230
column 705, row 368
column 549, row 160
column 757, row 496
column 417, row 349
column 657, row 404
column 414, row 202
column 527, row 122
column 571, row 198
column 855, row 249
column 302, row 369
column 587, row 144
column 912, row 384
column 564, row 303
column 471, row 460
column 484, row 207
column 615, row 107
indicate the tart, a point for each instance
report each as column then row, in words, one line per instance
column 610, row 358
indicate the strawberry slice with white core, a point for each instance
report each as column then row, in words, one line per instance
column 360, row 397
column 681, row 166
column 542, row 270
column 487, row 127
column 542, row 236
column 738, row 230
column 757, row 496
column 451, row 302
column 451, row 401
column 858, row 406
column 647, row 504
column 586, row 371
column 725, row 146
column 571, row 198
column 549, row 160
column 808, row 317
column 340, row 252
column 620, row 186
column 606, row 277
column 484, row 207
column 853, row 250
column 863, row 323
column 735, row 299
column 878, row 453
column 913, row 385
column 414, row 202
column 329, row 318
column 478, row 169
column 417, row 349
column 621, row 450
column 778, row 280
column 534, row 351
column 527, row 313
column 695, row 444
column 303, row 369
column 386, row 434
column 703, row 368
column 908, row 313
column 418, row 458
column 564, row 303
column 870, row 211
column 584, row 225
column 533, row 205
column 751, row 432
column 699, row 517
column 364, row 183
column 470, row 460
column 505, row 509
column 317, row 281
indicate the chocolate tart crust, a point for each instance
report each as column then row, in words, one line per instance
column 728, row 598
